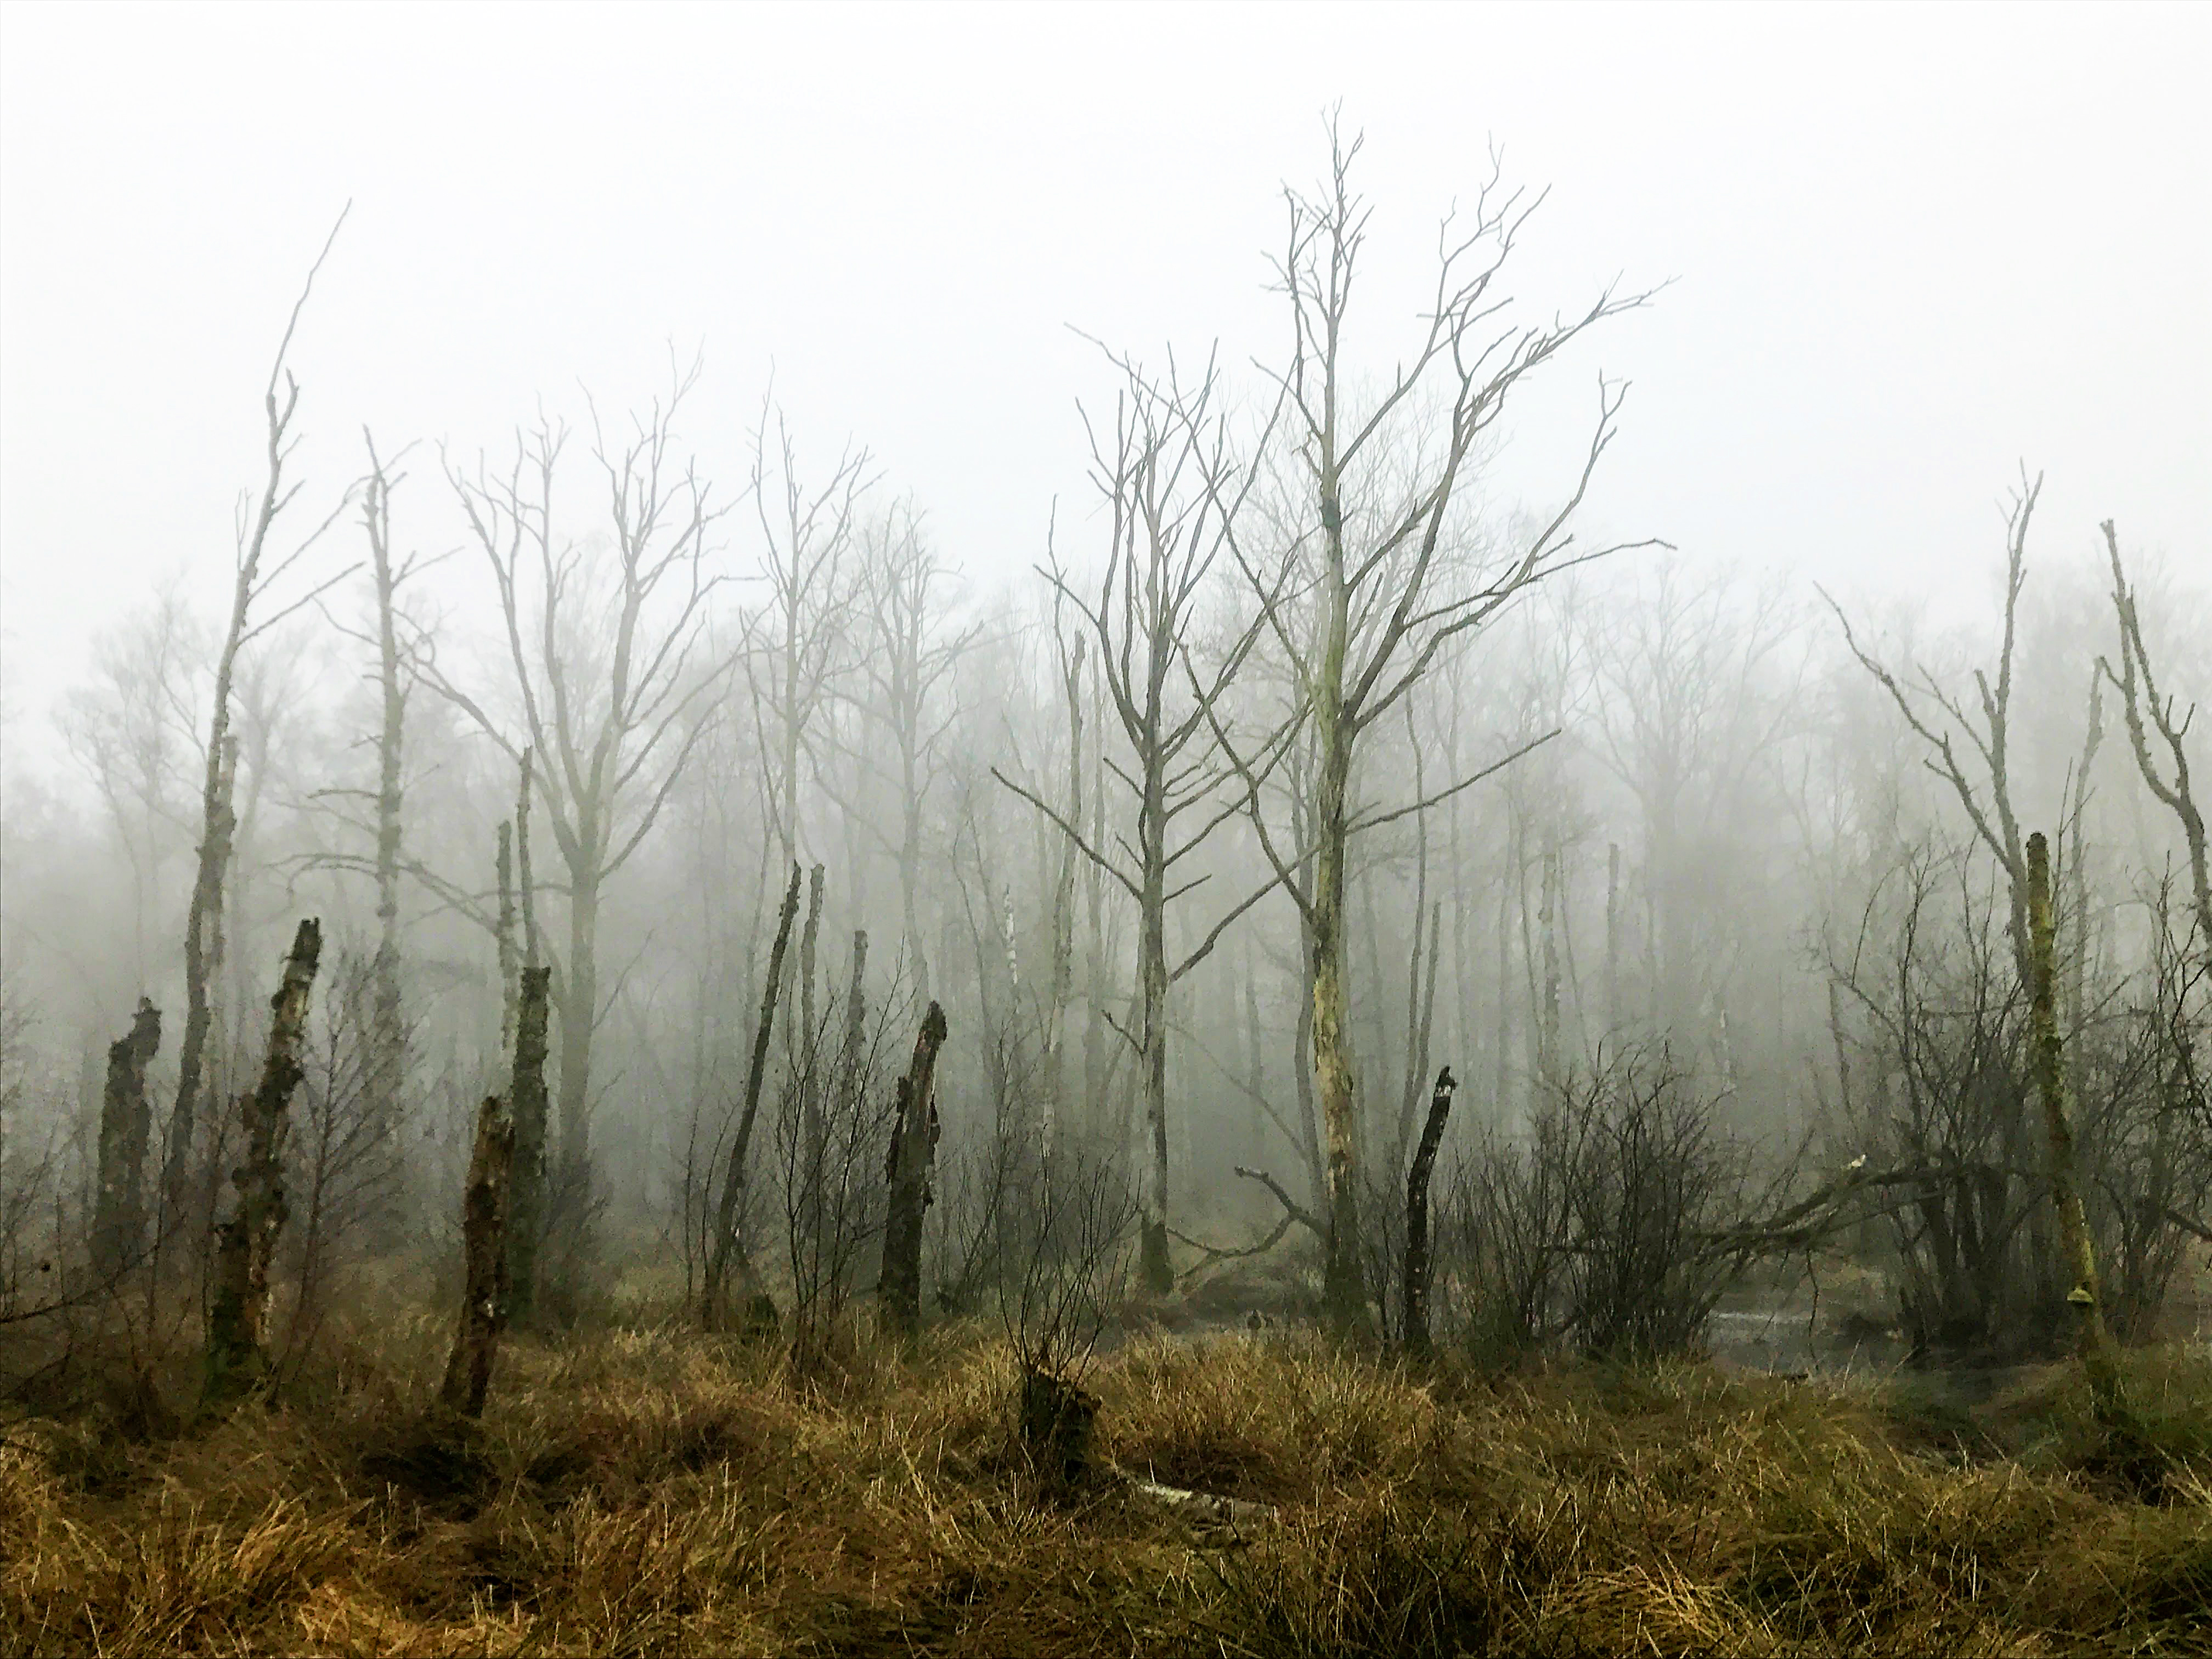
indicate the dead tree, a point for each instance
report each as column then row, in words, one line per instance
column 907, row 1172
column 484, row 1297
column 118, row 1229
column 1173, row 490
column 611, row 675
column 907, row 669
column 236, row 1349
column 2139, row 694
column 1987, row 801
column 2098, row 1358
column 729, row 1251
column 388, row 1046
column 250, row 585
column 525, row 1226
column 1387, row 572
column 808, row 535
column 1417, row 1339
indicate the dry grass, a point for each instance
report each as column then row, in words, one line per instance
column 656, row 1491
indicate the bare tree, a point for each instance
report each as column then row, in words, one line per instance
column 908, row 667
column 1987, row 800
column 252, row 583
column 1388, row 575
column 2138, row 687
column 808, row 535
column 1173, row 489
column 611, row 667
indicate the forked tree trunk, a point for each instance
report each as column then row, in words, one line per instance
column 524, row 1225
column 2099, row 1359
column 484, row 1248
column 118, row 1230
column 1417, row 1338
column 729, row 1245
column 237, row 1357
column 914, row 1146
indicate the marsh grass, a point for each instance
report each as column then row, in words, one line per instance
column 651, row 1491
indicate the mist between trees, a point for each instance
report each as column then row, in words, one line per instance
column 829, row 933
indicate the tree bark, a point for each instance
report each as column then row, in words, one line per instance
column 237, row 1358
column 524, row 1225
column 387, row 1027
column 1418, row 1341
column 510, row 959
column 118, row 1231
column 2099, row 1359
column 484, row 1297
column 203, row 935
column 914, row 1150
column 729, row 1245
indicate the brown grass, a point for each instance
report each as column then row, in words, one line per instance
column 652, row 1491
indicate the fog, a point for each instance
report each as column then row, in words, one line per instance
column 879, row 443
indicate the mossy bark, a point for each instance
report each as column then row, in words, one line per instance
column 914, row 1146
column 526, row 1224
column 484, row 1248
column 118, row 1230
column 2098, row 1358
column 237, row 1357
column 1418, row 1341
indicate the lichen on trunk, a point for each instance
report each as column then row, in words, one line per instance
column 237, row 1358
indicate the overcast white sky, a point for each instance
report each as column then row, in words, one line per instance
column 1912, row 246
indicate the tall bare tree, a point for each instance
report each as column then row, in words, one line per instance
column 612, row 665
column 1172, row 486
column 2167, row 779
column 252, row 579
column 809, row 534
column 1390, row 572
column 907, row 666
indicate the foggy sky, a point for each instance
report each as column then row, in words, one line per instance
column 1910, row 248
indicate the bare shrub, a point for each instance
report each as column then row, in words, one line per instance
column 1068, row 1271
column 1595, row 1231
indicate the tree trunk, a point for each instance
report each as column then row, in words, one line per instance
column 2099, row 1359
column 1063, row 917
column 484, row 1297
column 729, row 1245
column 236, row 1355
column 1417, row 1338
column 203, row 938
column 913, row 1147
column 510, row 959
column 525, row 1226
column 118, row 1231
column 1344, row 1297
column 388, row 1028
column 1156, row 1271
column 809, row 1055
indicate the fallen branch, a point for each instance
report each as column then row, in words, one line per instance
column 1295, row 1211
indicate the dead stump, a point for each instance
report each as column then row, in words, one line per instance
column 1056, row 1420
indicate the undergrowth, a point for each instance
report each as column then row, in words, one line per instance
column 653, row 1492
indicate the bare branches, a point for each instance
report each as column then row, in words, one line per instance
column 2137, row 684
column 1995, row 821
